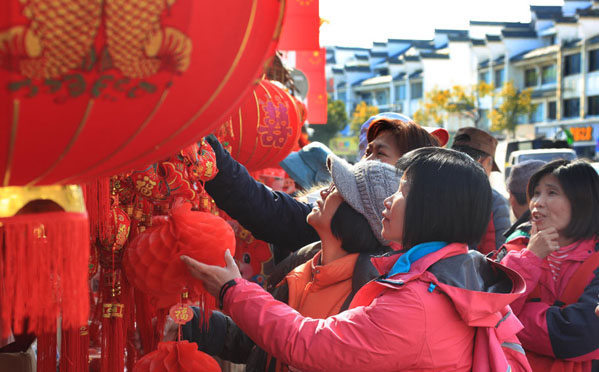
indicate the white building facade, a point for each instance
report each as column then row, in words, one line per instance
column 556, row 54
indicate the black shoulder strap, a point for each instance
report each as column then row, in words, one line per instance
column 364, row 271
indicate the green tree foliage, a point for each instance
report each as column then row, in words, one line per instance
column 513, row 104
column 362, row 113
column 459, row 100
column 336, row 121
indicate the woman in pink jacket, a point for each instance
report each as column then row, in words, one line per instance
column 436, row 306
column 560, row 265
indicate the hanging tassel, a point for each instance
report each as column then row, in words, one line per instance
column 43, row 271
column 46, row 352
column 74, row 350
column 97, row 202
column 113, row 332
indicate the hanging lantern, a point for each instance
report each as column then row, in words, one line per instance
column 91, row 88
column 264, row 128
column 180, row 356
column 152, row 260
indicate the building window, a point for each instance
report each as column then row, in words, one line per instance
column 499, row 77
column 552, row 110
column 366, row 97
column 400, row 92
column 572, row 64
column 485, row 76
column 571, row 107
column 342, row 95
column 381, row 98
column 416, row 90
column 384, row 72
column 593, row 105
column 548, row 74
column 594, row 60
column 537, row 115
column 530, row 77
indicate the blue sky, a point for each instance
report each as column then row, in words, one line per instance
column 360, row 22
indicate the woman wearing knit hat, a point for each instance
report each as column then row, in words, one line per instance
column 348, row 222
column 437, row 306
column 278, row 218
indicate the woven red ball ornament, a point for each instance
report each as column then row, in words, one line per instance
column 152, row 261
column 179, row 356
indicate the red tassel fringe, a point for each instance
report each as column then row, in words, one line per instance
column 97, row 202
column 43, row 271
column 46, row 352
column 74, row 350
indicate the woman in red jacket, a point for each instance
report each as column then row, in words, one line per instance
column 437, row 306
column 560, row 265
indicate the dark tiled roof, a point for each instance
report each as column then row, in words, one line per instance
column 352, row 48
column 519, row 34
column 337, row 70
column 545, row 16
column 434, row 56
column 357, row 68
column 399, row 76
column 534, row 53
column 594, row 40
column 379, row 43
column 378, row 54
column 491, row 38
column 442, row 46
column 415, row 74
column 504, row 24
column 562, row 19
column 478, row 42
column 403, row 41
column 486, row 23
column 331, row 59
column 546, row 9
column 458, row 38
column 591, row 13
column 341, row 85
column 411, row 58
column 483, row 64
column 450, row 32
column 499, row 60
column 358, row 82
column 394, row 61
column 360, row 57
column 571, row 44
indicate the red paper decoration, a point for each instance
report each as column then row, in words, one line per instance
column 152, row 262
column 264, row 128
column 93, row 88
column 179, row 356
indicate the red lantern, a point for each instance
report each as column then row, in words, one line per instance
column 152, row 262
column 179, row 356
column 264, row 128
column 93, row 88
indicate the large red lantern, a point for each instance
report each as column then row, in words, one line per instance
column 91, row 88
column 264, row 128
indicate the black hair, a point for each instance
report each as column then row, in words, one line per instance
column 354, row 231
column 580, row 183
column 473, row 153
column 449, row 197
column 520, row 197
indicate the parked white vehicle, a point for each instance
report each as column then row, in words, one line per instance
column 546, row 155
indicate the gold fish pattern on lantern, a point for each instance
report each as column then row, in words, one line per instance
column 61, row 35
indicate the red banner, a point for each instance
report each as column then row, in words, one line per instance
column 312, row 64
column 300, row 26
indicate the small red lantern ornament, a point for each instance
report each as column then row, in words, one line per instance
column 264, row 128
column 180, row 356
column 152, row 260
column 91, row 88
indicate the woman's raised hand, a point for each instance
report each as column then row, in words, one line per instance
column 544, row 242
column 213, row 277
